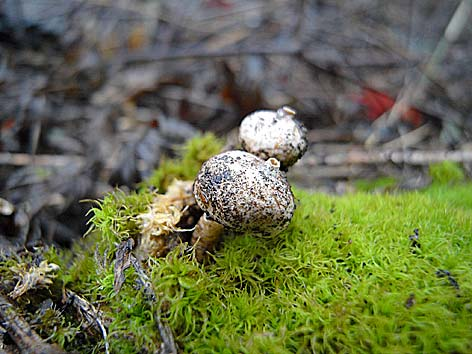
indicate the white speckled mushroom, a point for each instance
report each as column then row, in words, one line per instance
column 244, row 193
column 275, row 134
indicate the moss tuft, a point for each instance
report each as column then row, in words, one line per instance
column 381, row 184
column 115, row 217
column 446, row 172
column 193, row 154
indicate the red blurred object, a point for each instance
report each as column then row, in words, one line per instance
column 219, row 4
column 154, row 123
column 7, row 124
column 377, row 103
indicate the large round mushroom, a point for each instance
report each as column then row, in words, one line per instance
column 245, row 193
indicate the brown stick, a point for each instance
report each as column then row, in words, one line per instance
column 179, row 54
column 122, row 262
column 20, row 159
column 168, row 345
column 415, row 157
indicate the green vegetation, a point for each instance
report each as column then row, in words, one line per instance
column 344, row 277
column 446, row 172
column 193, row 154
column 382, row 184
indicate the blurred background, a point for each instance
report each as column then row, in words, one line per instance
column 94, row 93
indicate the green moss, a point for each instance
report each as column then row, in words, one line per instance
column 381, row 184
column 114, row 217
column 446, row 172
column 193, row 154
column 340, row 280
column 344, row 277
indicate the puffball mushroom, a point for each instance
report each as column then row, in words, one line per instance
column 241, row 192
column 244, row 193
column 275, row 134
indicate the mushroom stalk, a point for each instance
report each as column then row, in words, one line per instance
column 205, row 237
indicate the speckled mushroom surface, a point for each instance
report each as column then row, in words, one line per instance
column 274, row 134
column 245, row 193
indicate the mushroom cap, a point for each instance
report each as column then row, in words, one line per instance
column 274, row 134
column 245, row 193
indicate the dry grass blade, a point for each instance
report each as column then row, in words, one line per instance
column 168, row 345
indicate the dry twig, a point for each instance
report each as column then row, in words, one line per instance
column 180, row 54
column 124, row 259
column 412, row 157
column 21, row 159
column 89, row 313
column 413, row 91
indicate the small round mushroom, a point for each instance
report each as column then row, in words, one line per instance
column 275, row 134
column 245, row 193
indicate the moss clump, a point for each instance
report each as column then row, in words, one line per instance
column 115, row 217
column 193, row 155
column 350, row 274
column 381, row 184
column 446, row 172
column 345, row 276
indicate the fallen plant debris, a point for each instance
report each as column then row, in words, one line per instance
column 33, row 278
column 441, row 273
column 122, row 262
column 411, row 301
column 88, row 314
column 415, row 241
column 162, row 224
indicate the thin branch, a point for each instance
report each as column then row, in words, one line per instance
column 365, row 157
column 21, row 159
column 413, row 91
column 89, row 314
column 181, row 54
column 168, row 345
column 411, row 138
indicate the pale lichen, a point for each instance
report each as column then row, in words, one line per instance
column 34, row 277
